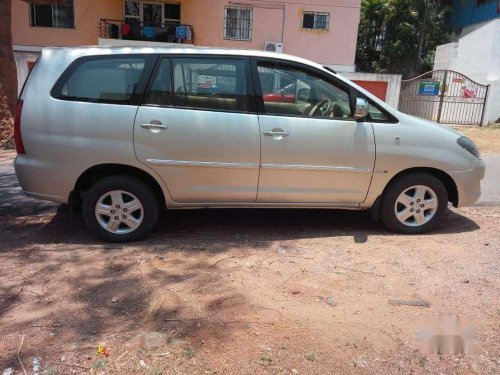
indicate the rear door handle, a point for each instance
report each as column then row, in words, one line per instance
column 272, row 133
column 154, row 126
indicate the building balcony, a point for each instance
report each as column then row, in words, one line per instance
column 144, row 32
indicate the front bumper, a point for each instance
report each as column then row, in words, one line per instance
column 469, row 184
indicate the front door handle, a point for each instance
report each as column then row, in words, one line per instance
column 154, row 126
column 276, row 133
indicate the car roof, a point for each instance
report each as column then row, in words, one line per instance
column 104, row 50
column 66, row 55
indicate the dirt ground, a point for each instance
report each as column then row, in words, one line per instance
column 244, row 292
column 487, row 138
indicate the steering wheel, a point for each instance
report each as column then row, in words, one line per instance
column 323, row 108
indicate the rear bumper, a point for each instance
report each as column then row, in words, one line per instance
column 469, row 184
column 40, row 182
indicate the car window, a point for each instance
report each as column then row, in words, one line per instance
column 160, row 91
column 290, row 91
column 376, row 114
column 208, row 83
column 104, row 79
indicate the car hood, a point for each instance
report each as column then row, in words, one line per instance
column 427, row 123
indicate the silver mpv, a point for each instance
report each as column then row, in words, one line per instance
column 124, row 132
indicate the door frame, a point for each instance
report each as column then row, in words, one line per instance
column 172, row 105
column 344, row 86
column 303, row 67
column 250, row 84
column 256, row 108
column 353, row 92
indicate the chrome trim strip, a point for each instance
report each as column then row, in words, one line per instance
column 216, row 164
column 190, row 163
column 348, row 206
column 316, row 168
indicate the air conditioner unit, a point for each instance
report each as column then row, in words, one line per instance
column 274, row 47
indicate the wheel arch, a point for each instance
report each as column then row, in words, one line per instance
column 445, row 178
column 97, row 172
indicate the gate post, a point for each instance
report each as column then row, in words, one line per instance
column 441, row 97
column 484, row 105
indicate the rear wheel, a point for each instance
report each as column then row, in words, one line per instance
column 120, row 209
column 414, row 203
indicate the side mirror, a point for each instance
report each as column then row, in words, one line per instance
column 304, row 94
column 361, row 110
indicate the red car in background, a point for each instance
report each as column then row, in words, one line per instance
column 284, row 95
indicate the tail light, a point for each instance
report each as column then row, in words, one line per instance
column 17, row 128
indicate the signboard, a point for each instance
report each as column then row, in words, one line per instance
column 468, row 92
column 428, row 88
column 206, row 82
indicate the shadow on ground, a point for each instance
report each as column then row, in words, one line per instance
column 224, row 226
column 13, row 202
column 58, row 280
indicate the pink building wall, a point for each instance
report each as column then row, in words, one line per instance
column 272, row 21
column 84, row 33
column 334, row 46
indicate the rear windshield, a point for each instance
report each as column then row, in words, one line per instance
column 107, row 79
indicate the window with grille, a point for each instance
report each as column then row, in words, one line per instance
column 172, row 13
column 152, row 13
column 315, row 20
column 60, row 15
column 238, row 23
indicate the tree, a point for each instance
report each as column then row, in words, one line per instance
column 8, row 69
column 371, row 31
column 400, row 36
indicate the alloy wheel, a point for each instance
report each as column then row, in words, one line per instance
column 416, row 205
column 119, row 212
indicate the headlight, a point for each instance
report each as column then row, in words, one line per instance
column 469, row 146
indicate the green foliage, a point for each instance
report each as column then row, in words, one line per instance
column 188, row 353
column 100, row 364
column 400, row 36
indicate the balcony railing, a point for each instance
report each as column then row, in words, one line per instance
column 158, row 32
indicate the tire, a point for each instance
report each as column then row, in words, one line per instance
column 128, row 208
column 405, row 194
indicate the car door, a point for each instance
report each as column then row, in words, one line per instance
column 312, row 150
column 197, row 129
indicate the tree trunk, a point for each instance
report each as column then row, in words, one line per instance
column 422, row 36
column 8, row 70
column 8, row 77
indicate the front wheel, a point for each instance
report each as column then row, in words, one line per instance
column 120, row 209
column 414, row 204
